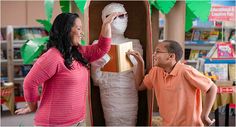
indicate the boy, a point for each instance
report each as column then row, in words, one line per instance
column 177, row 87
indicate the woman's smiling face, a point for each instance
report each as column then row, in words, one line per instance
column 76, row 33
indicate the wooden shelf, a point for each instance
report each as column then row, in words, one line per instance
column 8, row 47
column 3, row 60
column 19, row 79
column 224, row 83
column 220, row 60
column 191, row 61
column 3, row 41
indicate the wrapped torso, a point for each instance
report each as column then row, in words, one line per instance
column 119, row 96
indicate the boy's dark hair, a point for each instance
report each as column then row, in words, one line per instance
column 174, row 47
column 59, row 37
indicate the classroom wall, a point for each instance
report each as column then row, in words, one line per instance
column 25, row 13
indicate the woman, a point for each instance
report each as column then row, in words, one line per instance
column 63, row 72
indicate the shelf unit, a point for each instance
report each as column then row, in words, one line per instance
column 229, row 63
column 16, row 36
column 5, row 68
column 193, row 44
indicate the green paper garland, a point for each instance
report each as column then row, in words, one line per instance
column 196, row 9
column 163, row 5
column 65, row 6
column 47, row 25
column 80, row 4
column 48, row 8
column 32, row 49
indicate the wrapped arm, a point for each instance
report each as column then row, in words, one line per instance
column 96, row 66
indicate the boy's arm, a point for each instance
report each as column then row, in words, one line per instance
column 138, row 70
column 210, row 98
column 198, row 80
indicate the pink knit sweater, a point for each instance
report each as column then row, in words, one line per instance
column 63, row 98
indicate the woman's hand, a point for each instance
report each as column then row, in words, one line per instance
column 106, row 26
column 30, row 107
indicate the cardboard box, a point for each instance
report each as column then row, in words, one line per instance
column 139, row 27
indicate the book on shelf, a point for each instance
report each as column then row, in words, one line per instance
column 161, row 34
column 188, row 35
column 4, row 78
column 221, row 50
column 214, row 35
column 25, row 69
column 119, row 61
column 204, row 35
column 221, row 70
column 3, row 54
column 17, row 53
column 194, row 53
column 202, row 53
column 17, row 71
column 232, row 72
column 232, row 36
column 29, row 33
column 225, row 50
column 3, row 34
column 196, row 35
column 211, row 52
column 3, row 72
column 187, row 53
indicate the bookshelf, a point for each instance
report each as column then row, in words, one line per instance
column 223, row 68
column 4, row 57
column 12, row 67
column 199, row 41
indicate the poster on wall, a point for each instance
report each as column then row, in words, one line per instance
column 222, row 10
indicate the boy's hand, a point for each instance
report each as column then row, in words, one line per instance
column 136, row 54
column 207, row 121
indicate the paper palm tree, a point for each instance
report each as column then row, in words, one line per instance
column 31, row 49
column 194, row 9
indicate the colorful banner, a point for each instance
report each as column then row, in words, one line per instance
column 222, row 11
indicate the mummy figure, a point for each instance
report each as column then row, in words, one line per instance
column 119, row 96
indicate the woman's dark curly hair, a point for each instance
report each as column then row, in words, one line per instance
column 59, row 37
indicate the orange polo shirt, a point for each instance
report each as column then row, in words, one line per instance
column 178, row 94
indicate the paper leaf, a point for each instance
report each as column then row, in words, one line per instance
column 48, row 6
column 163, row 5
column 32, row 49
column 65, row 5
column 47, row 25
column 189, row 17
column 80, row 4
column 199, row 9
